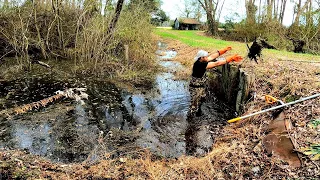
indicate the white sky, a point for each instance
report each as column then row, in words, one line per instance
column 174, row 9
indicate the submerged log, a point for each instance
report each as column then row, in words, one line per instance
column 73, row 93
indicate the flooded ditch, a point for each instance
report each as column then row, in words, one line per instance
column 112, row 120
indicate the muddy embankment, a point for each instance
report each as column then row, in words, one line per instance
column 228, row 89
column 117, row 121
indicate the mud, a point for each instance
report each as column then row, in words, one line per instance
column 202, row 131
column 112, row 120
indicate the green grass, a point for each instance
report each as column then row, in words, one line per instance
column 194, row 39
column 191, row 38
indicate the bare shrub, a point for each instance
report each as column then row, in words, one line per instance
column 79, row 34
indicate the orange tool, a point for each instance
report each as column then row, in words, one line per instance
column 272, row 100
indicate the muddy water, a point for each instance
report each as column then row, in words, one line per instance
column 111, row 120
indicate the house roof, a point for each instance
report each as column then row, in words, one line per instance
column 189, row 21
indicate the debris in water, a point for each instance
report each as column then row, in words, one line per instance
column 74, row 93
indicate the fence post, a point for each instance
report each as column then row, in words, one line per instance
column 126, row 53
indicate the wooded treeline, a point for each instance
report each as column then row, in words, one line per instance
column 265, row 18
column 90, row 33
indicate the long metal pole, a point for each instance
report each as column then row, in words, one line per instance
column 273, row 108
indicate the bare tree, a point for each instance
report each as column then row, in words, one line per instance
column 189, row 8
column 211, row 7
column 282, row 10
column 299, row 11
column 192, row 9
column 198, row 11
column 56, row 7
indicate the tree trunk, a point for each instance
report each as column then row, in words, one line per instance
column 309, row 16
column 282, row 10
column 269, row 10
column 56, row 5
column 211, row 23
column 208, row 6
column 259, row 14
column 116, row 16
column 250, row 11
column 275, row 10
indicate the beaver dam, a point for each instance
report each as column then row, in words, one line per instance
column 69, row 131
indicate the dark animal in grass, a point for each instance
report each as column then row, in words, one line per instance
column 298, row 45
column 256, row 48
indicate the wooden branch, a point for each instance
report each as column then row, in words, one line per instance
column 42, row 64
column 6, row 54
column 72, row 93
column 300, row 10
column 220, row 10
column 115, row 18
column 203, row 6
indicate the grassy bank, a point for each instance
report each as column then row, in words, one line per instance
column 198, row 39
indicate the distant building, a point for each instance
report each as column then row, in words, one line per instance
column 186, row 24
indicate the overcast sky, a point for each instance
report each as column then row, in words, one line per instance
column 173, row 8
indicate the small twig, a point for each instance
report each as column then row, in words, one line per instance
column 6, row 54
column 42, row 64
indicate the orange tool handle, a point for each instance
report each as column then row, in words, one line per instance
column 270, row 99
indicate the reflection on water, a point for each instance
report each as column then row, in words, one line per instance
column 69, row 132
column 36, row 137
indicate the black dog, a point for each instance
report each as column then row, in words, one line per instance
column 256, row 48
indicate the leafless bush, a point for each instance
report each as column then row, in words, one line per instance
column 79, row 34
